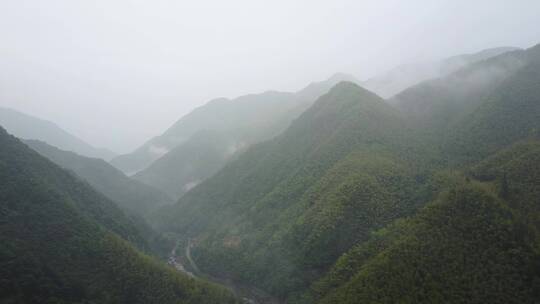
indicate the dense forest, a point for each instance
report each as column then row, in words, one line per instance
column 431, row 196
column 203, row 141
column 29, row 127
column 131, row 195
column 330, row 194
column 63, row 242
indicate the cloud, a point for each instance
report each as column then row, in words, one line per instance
column 158, row 151
column 190, row 185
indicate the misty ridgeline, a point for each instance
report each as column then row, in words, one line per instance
column 420, row 184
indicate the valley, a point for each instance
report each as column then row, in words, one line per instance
column 247, row 294
column 177, row 152
column 285, row 212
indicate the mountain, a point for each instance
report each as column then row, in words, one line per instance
column 478, row 236
column 62, row 242
column 257, row 115
column 403, row 77
column 438, row 103
column 477, row 242
column 428, row 197
column 202, row 142
column 468, row 246
column 129, row 194
column 285, row 209
column 29, row 127
column 191, row 162
column 509, row 113
column 480, row 108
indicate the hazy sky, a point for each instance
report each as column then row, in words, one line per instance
column 118, row 72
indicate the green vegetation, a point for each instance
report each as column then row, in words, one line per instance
column 187, row 165
column 478, row 242
column 202, row 142
column 62, row 242
column 435, row 200
column 267, row 217
column 439, row 104
column 131, row 195
column 402, row 77
column 510, row 112
column 466, row 247
column 29, row 127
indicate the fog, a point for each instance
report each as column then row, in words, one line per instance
column 116, row 73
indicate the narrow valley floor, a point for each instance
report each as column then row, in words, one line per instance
column 183, row 262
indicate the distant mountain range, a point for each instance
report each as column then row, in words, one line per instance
column 29, row 127
column 129, row 194
column 398, row 79
column 203, row 141
column 430, row 197
column 328, row 195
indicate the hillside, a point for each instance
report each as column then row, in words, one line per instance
column 271, row 216
column 29, row 127
column 61, row 242
column 478, row 109
column 484, row 225
column 250, row 172
column 466, row 247
column 439, row 104
column 127, row 193
column 190, row 163
column 289, row 210
column 511, row 112
column 398, row 79
column 244, row 120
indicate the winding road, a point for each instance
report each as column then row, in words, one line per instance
column 188, row 256
column 250, row 295
column 173, row 261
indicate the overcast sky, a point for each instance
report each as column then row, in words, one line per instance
column 116, row 72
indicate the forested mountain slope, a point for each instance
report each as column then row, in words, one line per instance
column 282, row 214
column 398, row 79
column 218, row 114
column 437, row 104
column 187, row 165
column 477, row 242
column 272, row 213
column 61, row 242
column 468, row 246
column 129, row 194
column 479, row 109
column 509, row 113
column 29, row 127
column 240, row 122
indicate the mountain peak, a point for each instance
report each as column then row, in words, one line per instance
column 339, row 77
column 29, row 127
column 403, row 77
column 353, row 87
column 533, row 53
column 318, row 88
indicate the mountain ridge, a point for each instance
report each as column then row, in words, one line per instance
column 62, row 242
column 226, row 129
column 29, row 127
column 129, row 194
column 400, row 78
column 282, row 215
